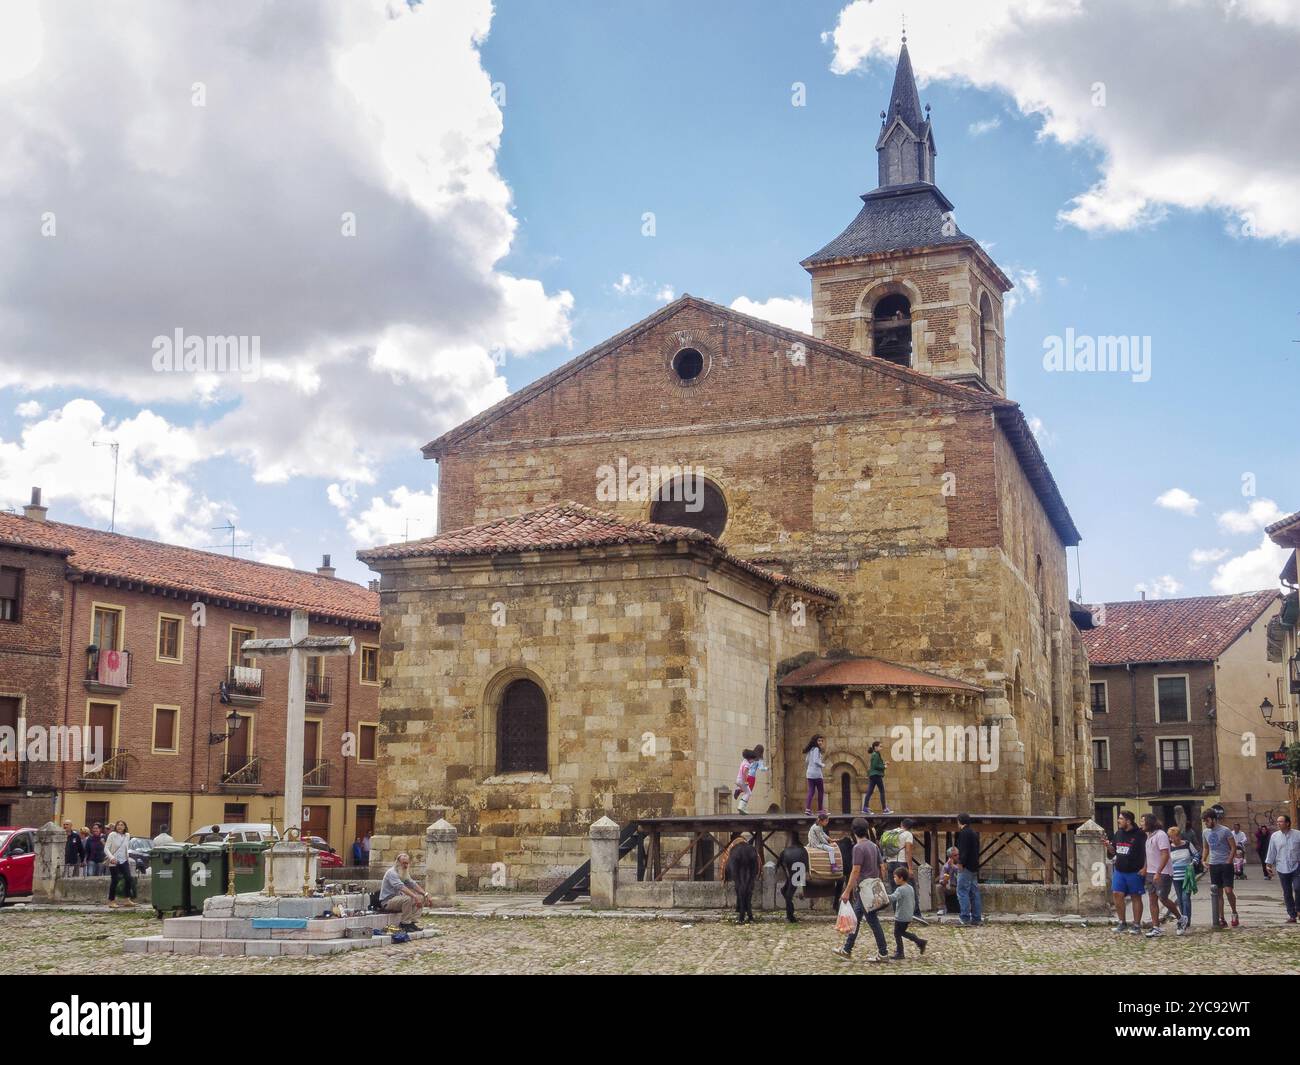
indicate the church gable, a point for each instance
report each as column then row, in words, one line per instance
column 695, row 364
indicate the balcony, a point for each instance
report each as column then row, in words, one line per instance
column 1175, row 779
column 244, row 685
column 316, row 777
column 239, row 772
column 318, row 690
column 108, row 672
column 112, row 774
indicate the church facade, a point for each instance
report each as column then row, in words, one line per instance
column 711, row 532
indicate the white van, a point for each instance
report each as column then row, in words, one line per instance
column 242, row 833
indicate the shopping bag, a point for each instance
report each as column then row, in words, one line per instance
column 847, row 920
column 873, row 893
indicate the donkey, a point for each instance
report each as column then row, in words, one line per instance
column 796, row 858
column 742, row 869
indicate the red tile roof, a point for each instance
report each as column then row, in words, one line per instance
column 567, row 526
column 869, row 673
column 1197, row 629
column 198, row 573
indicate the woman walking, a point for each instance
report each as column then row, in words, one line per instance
column 1182, row 868
column 118, row 850
column 876, row 780
column 814, row 773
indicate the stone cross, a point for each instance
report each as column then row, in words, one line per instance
column 297, row 647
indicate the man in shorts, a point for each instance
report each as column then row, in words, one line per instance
column 1218, row 849
column 1129, row 848
column 1159, row 879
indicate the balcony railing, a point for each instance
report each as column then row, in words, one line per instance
column 316, row 775
column 1175, row 779
column 244, row 683
column 111, row 774
column 240, row 771
column 318, row 689
column 107, row 669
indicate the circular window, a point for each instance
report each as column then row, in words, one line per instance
column 693, row 502
column 688, row 364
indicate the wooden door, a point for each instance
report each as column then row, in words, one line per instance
column 237, row 747
column 316, row 822
column 9, row 719
column 102, row 717
column 310, row 745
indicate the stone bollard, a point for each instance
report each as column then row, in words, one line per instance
column 604, row 864
column 767, row 895
column 1091, row 871
column 440, row 861
column 50, row 843
column 925, row 888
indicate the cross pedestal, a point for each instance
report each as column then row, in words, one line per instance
column 290, row 864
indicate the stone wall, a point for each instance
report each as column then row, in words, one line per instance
column 618, row 645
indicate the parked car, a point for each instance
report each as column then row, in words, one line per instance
column 139, row 849
column 17, row 862
column 243, row 833
column 326, row 856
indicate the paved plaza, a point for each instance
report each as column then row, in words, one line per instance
column 508, row 933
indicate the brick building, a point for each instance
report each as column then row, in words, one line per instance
column 710, row 531
column 133, row 640
column 1175, row 691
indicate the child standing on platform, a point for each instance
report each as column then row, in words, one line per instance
column 751, row 764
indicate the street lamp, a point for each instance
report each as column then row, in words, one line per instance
column 1266, row 709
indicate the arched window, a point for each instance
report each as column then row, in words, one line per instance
column 987, row 342
column 692, row 501
column 891, row 329
column 521, row 729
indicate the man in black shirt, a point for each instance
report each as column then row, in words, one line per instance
column 968, row 873
column 1130, row 849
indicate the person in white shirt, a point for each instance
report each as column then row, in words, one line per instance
column 117, row 852
column 1240, row 837
column 162, row 839
column 1283, row 858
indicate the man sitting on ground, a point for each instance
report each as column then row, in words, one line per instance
column 399, row 892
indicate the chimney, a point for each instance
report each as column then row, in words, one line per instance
column 374, row 585
column 33, row 510
column 325, row 569
column 1143, row 594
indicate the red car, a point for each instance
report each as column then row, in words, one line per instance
column 17, row 861
column 326, row 858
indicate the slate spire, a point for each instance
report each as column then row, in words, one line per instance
column 905, row 148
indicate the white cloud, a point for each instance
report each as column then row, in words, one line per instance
column 1203, row 556
column 1040, row 432
column 28, row 410
column 405, row 513
column 789, row 311
column 229, row 219
column 665, row 294
column 1260, row 513
column 1178, row 499
column 1195, row 102
column 1159, row 587
column 987, row 125
column 1027, row 287
column 627, row 285
column 1253, row 571
column 154, row 497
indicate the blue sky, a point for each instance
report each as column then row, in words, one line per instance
column 685, row 110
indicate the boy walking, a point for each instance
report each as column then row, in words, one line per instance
column 904, row 899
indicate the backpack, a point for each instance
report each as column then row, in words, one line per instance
column 889, row 843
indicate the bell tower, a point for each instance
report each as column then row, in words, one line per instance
column 903, row 282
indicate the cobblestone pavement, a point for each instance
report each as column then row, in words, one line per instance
column 61, row 941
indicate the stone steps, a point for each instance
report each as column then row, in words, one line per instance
column 258, row 948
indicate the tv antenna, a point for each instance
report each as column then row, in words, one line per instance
column 230, row 528
column 112, row 521
column 407, row 534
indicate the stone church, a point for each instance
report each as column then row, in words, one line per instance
column 710, row 532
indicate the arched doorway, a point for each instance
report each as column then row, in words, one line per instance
column 521, row 729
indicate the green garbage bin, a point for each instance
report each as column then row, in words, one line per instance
column 205, row 869
column 170, row 884
column 250, row 866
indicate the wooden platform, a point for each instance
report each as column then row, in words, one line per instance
column 1049, row 838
